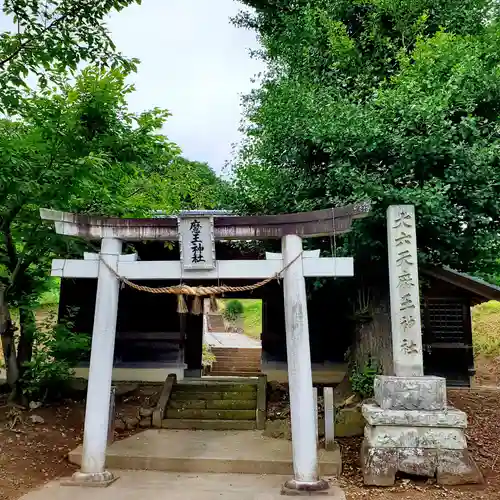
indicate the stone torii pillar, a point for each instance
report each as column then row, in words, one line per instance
column 96, row 428
column 303, row 413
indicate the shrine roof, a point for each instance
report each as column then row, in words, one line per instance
column 330, row 221
column 477, row 287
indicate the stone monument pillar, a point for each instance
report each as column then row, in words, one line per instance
column 410, row 428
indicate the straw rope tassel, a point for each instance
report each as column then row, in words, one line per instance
column 196, row 308
column 214, row 306
column 182, row 307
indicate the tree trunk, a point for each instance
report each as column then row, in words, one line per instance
column 25, row 347
column 372, row 340
column 24, row 353
column 8, row 346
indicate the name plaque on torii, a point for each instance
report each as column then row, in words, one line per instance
column 196, row 240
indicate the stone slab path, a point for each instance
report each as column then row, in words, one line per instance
column 236, row 340
column 148, row 485
column 207, row 451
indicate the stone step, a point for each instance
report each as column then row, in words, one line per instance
column 218, row 369
column 237, row 351
column 240, row 373
column 241, row 365
column 215, row 386
column 215, row 404
column 235, row 361
column 239, row 362
column 239, row 359
column 201, row 414
column 209, row 425
column 198, row 451
column 204, row 396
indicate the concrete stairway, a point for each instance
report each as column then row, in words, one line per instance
column 236, row 360
column 214, row 405
column 216, row 323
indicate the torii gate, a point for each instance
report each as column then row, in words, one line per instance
column 197, row 232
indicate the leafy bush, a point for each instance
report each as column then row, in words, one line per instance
column 208, row 357
column 234, row 309
column 51, row 295
column 56, row 351
column 485, row 328
column 362, row 379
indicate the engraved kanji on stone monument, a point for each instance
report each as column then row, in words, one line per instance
column 404, row 289
column 196, row 241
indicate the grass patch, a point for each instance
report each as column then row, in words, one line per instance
column 486, row 329
column 51, row 296
column 252, row 318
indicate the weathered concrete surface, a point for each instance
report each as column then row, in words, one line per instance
column 386, row 436
column 379, row 465
column 349, row 421
column 246, row 452
column 450, row 417
column 417, row 461
column 134, row 485
column 322, row 373
column 410, row 393
column 457, row 467
column 451, row 467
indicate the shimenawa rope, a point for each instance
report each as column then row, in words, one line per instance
column 199, row 291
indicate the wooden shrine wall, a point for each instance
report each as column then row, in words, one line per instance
column 151, row 332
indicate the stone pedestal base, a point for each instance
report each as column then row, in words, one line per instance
column 410, row 393
column 449, row 467
column 90, row 479
column 319, row 488
column 411, row 430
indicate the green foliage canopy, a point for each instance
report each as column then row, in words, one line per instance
column 52, row 37
column 78, row 148
column 394, row 101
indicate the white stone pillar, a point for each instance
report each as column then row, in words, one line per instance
column 405, row 292
column 303, row 414
column 95, row 435
column 329, row 404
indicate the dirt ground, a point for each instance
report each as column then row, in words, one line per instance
column 487, row 371
column 483, row 436
column 33, row 453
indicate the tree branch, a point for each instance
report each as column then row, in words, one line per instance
column 11, row 248
column 26, row 43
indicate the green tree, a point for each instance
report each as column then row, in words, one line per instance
column 78, row 148
column 52, row 37
column 394, row 101
column 185, row 185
